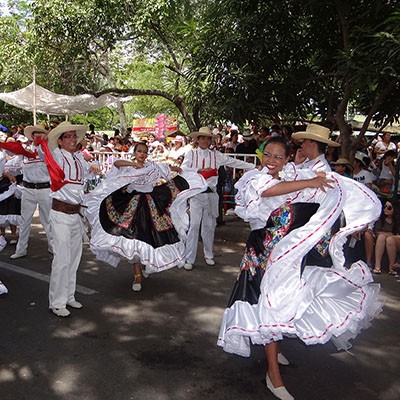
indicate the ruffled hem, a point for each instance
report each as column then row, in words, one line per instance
column 111, row 248
column 334, row 306
column 321, row 303
column 9, row 192
column 6, row 220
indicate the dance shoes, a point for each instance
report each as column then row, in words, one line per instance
column 209, row 261
column 63, row 312
column 18, row 255
column 75, row 304
column 282, row 359
column 137, row 282
column 188, row 266
column 279, row 392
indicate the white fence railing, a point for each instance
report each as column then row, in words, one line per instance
column 106, row 160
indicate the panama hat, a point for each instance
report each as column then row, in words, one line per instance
column 247, row 135
column 65, row 126
column 39, row 128
column 203, row 131
column 316, row 132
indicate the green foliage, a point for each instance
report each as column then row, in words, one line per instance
column 225, row 59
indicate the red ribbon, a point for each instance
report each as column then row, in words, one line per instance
column 56, row 173
column 17, row 148
column 209, row 174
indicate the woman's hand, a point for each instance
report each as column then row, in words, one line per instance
column 321, row 182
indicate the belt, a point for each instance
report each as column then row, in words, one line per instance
column 30, row 185
column 66, row 208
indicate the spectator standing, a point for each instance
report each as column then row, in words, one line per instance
column 384, row 145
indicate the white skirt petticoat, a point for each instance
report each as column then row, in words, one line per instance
column 321, row 303
column 111, row 248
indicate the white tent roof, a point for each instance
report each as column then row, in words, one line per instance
column 36, row 98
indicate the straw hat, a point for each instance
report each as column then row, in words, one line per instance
column 39, row 128
column 316, row 132
column 65, row 126
column 203, row 131
column 342, row 161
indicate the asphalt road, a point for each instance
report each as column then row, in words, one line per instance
column 160, row 343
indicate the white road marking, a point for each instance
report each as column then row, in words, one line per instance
column 42, row 277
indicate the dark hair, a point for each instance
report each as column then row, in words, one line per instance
column 140, row 144
column 321, row 147
column 279, row 140
column 395, row 217
column 389, row 153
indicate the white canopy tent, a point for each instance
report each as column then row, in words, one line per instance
column 37, row 99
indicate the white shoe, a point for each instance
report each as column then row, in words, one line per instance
column 209, row 261
column 61, row 312
column 18, row 255
column 279, row 392
column 75, row 304
column 145, row 274
column 13, row 241
column 188, row 266
column 282, row 359
column 3, row 289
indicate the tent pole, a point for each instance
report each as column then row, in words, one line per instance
column 34, row 95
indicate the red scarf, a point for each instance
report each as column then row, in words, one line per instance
column 56, row 173
column 17, row 148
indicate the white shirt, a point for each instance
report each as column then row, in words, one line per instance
column 198, row 158
column 363, row 176
column 319, row 164
column 34, row 170
column 384, row 147
column 75, row 169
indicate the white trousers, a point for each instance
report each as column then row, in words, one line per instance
column 203, row 215
column 67, row 246
column 30, row 199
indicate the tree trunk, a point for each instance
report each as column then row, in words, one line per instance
column 122, row 116
column 344, row 127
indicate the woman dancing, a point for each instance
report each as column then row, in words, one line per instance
column 264, row 307
column 139, row 213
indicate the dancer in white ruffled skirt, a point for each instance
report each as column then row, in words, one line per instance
column 139, row 213
column 298, row 294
